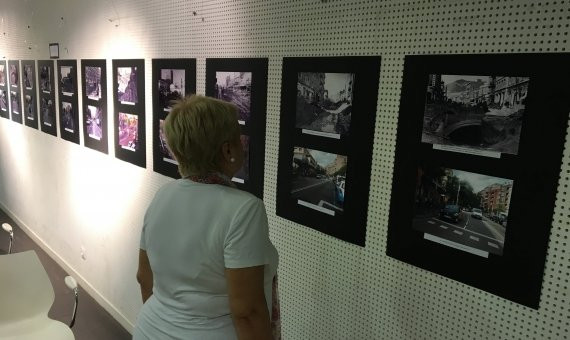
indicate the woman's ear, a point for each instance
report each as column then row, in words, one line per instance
column 226, row 152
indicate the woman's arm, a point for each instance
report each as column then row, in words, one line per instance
column 144, row 275
column 247, row 303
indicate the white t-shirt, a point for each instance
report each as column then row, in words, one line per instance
column 191, row 233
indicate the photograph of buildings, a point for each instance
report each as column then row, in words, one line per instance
column 170, row 87
column 318, row 178
column 15, row 101
column 93, row 82
column 128, row 131
column 243, row 173
column 164, row 151
column 45, row 80
column 47, row 111
column 29, row 107
column 14, row 76
column 127, row 85
column 2, row 74
column 465, row 208
column 93, row 122
column 67, row 117
column 324, row 102
column 235, row 87
column 475, row 112
column 3, row 100
column 28, row 76
column 66, row 80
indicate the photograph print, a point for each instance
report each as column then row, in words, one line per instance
column 47, row 112
column 128, row 131
column 15, row 102
column 67, row 117
column 93, row 82
column 45, row 80
column 28, row 76
column 14, row 76
column 29, row 107
column 171, row 87
column 127, row 85
column 324, row 103
column 474, row 114
column 94, row 121
column 164, row 150
column 3, row 100
column 2, row 74
column 67, row 80
column 318, row 180
column 463, row 210
column 243, row 174
column 235, row 87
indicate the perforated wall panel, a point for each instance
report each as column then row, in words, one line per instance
column 329, row 289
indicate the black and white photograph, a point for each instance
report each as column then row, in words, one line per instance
column 463, row 210
column 235, row 87
column 242, row 175
column 318, row 179
column 93, row 121
column 67, row 117
column 324, row 103
column 3, row 100
column 2, row 74
column 47, row 111
column 67, row 80
column 128, row 131
column 93, row 82
column 14, row 76
column 127, row 85
column 29, row 108
column 165, row 152
column 15, row 102
column 45, row 81
column 28, row 76
column 171, row 87
column 475, row 114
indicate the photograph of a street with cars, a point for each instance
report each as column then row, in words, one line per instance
column 318, row 178
column 476, row 113
column 462, row 207
column 324, row 102
column 235, row 87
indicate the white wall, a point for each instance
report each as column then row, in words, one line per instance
column 69, row 196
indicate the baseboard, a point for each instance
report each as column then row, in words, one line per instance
column 101, row 300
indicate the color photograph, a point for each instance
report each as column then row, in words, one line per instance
column 324, row 103
column 14, row 76
column 165, row 152
column 15, row 101
column 67, row 117
column 127, row 85
column 93, row 82
column 28, row 76
column 93, row 121
column 171, row 87
column 475, row 114
column 318, row 179
column 469, row 209
column 47, row 111
column 29, row 107
column 243, row 174
column 128, row 131
column 67, row 80
column 45, row 80
column 235, row 87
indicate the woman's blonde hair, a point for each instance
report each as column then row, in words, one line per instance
column 195, row 130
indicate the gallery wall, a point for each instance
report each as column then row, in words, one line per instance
column 86, row 208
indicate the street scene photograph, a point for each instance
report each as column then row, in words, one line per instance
column 93, row 122
column 3, row 100
column 477, row 113
column 66, row 80
column 14, row 76
column 67, row 117
column 29, row 107
column 2, row 74
column 127, row 85
column 47, row 111
column 318, row 178
column 324, row 102
column 15, row 101
column 170, row 87
column 28, row 76
column 235, row 87
column 128, row 131
column 465, row 208
column 93, row 82
column 243, row 174
column 164, row 151
column 45, row 80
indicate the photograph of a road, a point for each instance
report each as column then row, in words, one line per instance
column 235, row 87
column 463, row 207
column 93, row 121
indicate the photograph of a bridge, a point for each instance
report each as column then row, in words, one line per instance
column 474, row 113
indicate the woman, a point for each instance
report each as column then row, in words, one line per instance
column 206, row 263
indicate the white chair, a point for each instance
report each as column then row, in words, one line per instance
column 8, row 228
column 27, row 295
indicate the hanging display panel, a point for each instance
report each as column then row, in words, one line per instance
column 243, row 82
column 328, row 108
column 4, row 97
column 29, row 90
column 68, row 108
column 94, row 87
column 129, row 103
column 46, row 87
column 172, row 79
column 15, row 90
column 479, row 143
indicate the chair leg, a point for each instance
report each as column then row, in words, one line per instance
column 72, row 284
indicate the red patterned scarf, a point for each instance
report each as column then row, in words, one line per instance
column 217, row 178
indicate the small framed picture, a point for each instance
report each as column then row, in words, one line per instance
column 54, row 50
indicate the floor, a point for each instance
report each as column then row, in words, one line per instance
column 92, row 321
